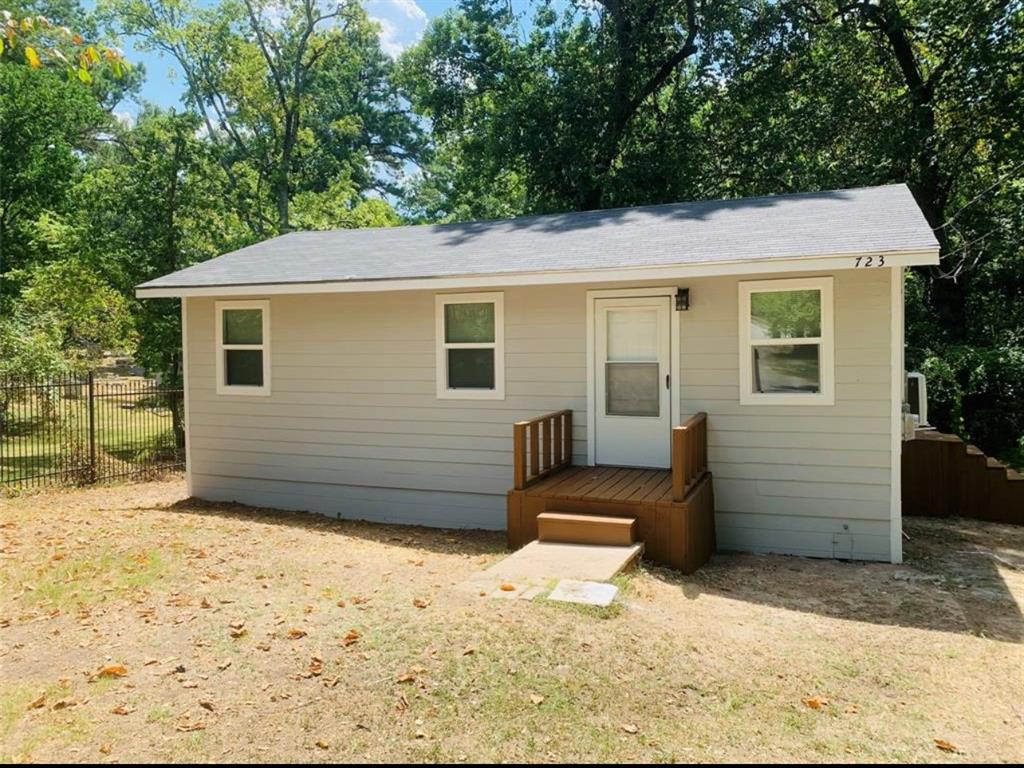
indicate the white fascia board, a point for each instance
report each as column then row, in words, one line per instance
column 671, row 272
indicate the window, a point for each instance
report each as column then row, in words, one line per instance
column 786, row 342
column 471, row 346
column 243, row 347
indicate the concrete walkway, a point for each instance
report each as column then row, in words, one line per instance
column 537, row 567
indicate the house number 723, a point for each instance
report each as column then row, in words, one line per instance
column 869, row 261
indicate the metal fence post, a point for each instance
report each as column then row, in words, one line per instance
column 92, row 429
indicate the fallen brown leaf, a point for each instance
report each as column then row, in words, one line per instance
column 296, row 634
column 351, row 637
column 421, row 602
column 38, row 702
column 508, row 587
column 105, row 673
column 815, row 702
column 408, row 677
column 122, row 709
column 946, row 746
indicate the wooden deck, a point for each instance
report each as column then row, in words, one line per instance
column 622, row 484
column 673, row 508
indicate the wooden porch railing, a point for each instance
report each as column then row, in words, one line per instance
column 689, row 454
column 541, row 446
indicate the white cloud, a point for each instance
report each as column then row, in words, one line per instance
column 411, row 9
column 402, row 23
column 124, row 117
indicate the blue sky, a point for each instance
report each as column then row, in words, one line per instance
column 402, row 24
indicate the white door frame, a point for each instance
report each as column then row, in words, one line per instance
column 674, row 365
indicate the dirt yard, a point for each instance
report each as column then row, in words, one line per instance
column 136, row 625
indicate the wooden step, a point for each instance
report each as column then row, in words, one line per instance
column 585, row 529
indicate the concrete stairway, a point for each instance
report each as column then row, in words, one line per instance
column 945, row 477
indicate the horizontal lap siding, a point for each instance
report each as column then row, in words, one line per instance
column 353, row 426
column 794, row 478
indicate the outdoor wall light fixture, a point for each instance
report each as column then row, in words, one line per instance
column 682, row 299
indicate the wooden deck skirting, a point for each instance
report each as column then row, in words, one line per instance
column 674, row 508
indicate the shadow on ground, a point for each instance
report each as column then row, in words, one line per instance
column 958, row 575
column 440, row 540
column 961, row 576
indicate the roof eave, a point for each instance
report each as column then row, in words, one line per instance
column 865, row 260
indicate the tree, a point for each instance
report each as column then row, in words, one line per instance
column 78, row 313
column 48, row 123
column 270, row 80
column 576, row 108
column 150, row 203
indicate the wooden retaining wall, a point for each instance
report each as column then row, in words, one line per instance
column 945, row 477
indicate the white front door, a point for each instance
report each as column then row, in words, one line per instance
column 633, row 414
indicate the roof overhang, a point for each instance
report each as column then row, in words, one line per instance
column 868, row 260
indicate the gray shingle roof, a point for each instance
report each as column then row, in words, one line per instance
column 869, row 220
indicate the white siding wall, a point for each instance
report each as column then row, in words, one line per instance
column 810, row 480
column 353, row 427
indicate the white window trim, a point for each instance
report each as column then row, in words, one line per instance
column 443, row 392
column 826, row 342
column 222, row 387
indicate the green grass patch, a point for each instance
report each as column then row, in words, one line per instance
column 84, row 579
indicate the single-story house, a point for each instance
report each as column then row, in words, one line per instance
column 377, row 373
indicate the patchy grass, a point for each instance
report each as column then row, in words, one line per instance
column 83, row 579
column 233, row 626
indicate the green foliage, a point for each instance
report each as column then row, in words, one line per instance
column 29, row 350
column 297, row 96
column 295, row 118
column 71, row 304
column 341, row 207
column 48, row 123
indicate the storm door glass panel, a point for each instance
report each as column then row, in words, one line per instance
column 632, row 372
column 633, row 335
column 632, row 389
